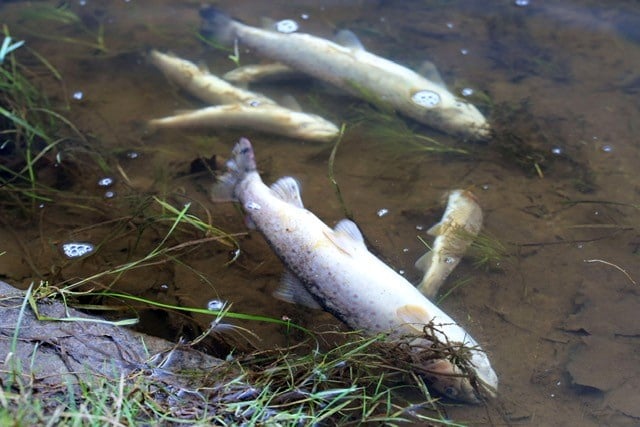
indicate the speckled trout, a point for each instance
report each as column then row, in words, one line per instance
column 347, row 65
column 460, row 224
column 333, row 270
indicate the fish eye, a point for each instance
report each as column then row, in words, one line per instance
column 450, row 391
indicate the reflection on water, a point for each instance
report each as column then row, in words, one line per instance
column 558, row 181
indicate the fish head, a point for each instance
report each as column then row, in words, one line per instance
column 453, row 115
column 310, row 126
column 450, row 381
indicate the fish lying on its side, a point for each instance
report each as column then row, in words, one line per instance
column 333, row 270
column 243, row 109
column 202, row 84
column 350, row 67
column 268, row 118
column 460, row 224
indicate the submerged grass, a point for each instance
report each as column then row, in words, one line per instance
column 384, row 125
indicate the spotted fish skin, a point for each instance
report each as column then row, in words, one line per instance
column 333, row 270
column 348, row 66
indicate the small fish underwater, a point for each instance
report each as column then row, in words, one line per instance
column 332, row 270
column 460, row 224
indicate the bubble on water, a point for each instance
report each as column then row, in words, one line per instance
column 419, row 227
column 485, row 187
column 522, row 3
column 607, row 148
column 109, row 194
column 579, row 246
column 449, row 24
column 556, row 150
column 449, row 260
column 426, row 98
column 304, row 16
column 254, row 103
column 77, row 95
column 464, row 51
column 77, row 249
column 215, row 305
column 132, row 154
column 401, row 272
column 467, row 91
column 105, row 182
column 164, row 287
column 405, row 250
column 253, row 206
column 382, row 212
column 82, row 2
column 287, row 26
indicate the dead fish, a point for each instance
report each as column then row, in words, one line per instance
column 460, row 224
column 262, row 73
column 347, row 65
column 268, row 118
column 332, row 269
column 201, row 83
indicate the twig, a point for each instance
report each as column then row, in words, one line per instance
column 614, row 266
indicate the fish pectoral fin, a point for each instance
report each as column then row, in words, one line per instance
column 292, row 290
column 287, row 189
column 288, row 101
column 347, row 237
column 348, row 39
column 414, row 315
column 424, row 262
column 429, row 71
column 435, row 229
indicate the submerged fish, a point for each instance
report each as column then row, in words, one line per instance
column 269, row 118
column 333, row 270
column 460, row 224
column 202, row 84
column 243, row 109
column 349, row 66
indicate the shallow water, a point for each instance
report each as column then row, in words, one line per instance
column 558, row 317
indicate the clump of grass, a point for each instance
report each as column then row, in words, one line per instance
column 28, row 136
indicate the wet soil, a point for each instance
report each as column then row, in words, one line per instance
column 558, row 182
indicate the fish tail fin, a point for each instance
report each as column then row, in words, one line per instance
column 241, row 163
column 216, row 24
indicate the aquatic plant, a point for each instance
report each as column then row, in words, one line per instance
column 386, row 127
column 66, row 20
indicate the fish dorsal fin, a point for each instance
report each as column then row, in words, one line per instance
column 435, row 229
column 424, row 262
column 292, row 290
column 290, row 102
column 288, row 190
column 348, row 39
column 429, row 71
column 414, row 316
column 268, row 23
column 347, row 237
column 203, row 67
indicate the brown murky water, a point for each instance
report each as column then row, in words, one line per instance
column 559, row 317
